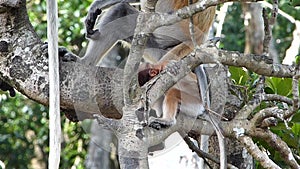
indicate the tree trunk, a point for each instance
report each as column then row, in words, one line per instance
column 102, row 151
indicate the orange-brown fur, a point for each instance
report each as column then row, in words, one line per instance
column 186, row 90
column 202, row 23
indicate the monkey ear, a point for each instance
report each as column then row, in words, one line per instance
column 153, row 72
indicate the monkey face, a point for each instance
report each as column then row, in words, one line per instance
column 147, row 74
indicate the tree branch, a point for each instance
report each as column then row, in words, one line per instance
column 277, row 143
column 260, row 156
column 266, row 113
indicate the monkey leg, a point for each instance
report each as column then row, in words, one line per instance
column 169, row 107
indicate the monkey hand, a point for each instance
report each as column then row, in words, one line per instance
column 90, row 23
column 63, row 53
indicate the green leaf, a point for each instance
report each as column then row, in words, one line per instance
column 296, row 129
column 281, row 86
column 297, row 60
column 295, row 3
column 238, row 75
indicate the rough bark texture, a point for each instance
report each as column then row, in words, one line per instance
column 89, row 90
column 24, row 66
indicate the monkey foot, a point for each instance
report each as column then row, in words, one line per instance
column 157, row 125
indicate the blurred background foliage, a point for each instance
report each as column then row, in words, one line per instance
column 24, row 123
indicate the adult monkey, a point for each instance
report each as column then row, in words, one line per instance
column 175, row 41
column 175, row 37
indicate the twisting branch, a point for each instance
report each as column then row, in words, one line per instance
column 150, row 5
column 203, row 154
column 260, row 116
column 269, row 23
column 279, row 145
column 260, row 156
column 294, row 48
column 257, row 98
column 276, row 97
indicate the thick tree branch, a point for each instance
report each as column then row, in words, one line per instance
column 277, row 143
column 275, row 97
column 178, row 70
column 96, row 90
column 260, row 156
column 266, row 113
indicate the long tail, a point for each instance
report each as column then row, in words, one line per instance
column 204, row 91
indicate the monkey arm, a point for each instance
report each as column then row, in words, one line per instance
column 118, row 23
column 94, row 11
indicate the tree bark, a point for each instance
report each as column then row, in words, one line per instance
column 24, row 66
column 97, row 90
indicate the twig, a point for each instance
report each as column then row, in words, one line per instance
column 266, row 113
column 276, row 97
column 269, row 23
column 260, row 156
column 256, row 100
column 192, row 29
column 216, row 114
column 276, row 142
column 150, row 5
column 203, row 154
column 200, row 153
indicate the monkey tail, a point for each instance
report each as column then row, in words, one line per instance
column 205, row 96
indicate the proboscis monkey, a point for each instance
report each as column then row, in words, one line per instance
column 173, row 42
column 165, row 43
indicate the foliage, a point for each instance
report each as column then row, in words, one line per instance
column 280, row 86
column 71, row 16
column 233, row 36
column 24, row 135
column 23, row 126
column 24, row 123
column 233, row 29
